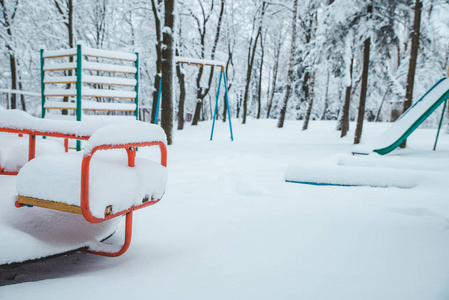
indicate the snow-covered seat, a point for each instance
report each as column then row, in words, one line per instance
column 113, row 185
column 14, row 152
column 101, row 186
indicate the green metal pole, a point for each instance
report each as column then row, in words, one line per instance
column 439, row 126
column 137, row 86
column 42, row 85
column 79, row 88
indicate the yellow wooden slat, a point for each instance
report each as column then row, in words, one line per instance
column 109, row 97
column 105, row 57
column 103, row 70
column 56, row 107
column 62, row 69
column 61, row 82
column 105, row 109
column 49, row 204
column 108, row 83
column 59, row 56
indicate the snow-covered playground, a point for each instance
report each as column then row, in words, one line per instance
column 230, row 227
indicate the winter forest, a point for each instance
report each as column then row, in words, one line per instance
column 341, row 60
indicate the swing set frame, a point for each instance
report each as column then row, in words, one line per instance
column 201, row 63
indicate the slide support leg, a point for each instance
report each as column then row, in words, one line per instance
column 439, row 126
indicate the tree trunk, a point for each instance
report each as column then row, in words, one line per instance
column 229, row 62
column 413, row 59
column 381, row 104
column 346, row 105
column 7, row 22
column 361, row 113
column 275, row 75
column 259, row 92
column 251, row 54
column 201, row 94
column 157, row 77
column 290, row 67
column 182, row 96
column 168, row 63
column 13, row 66
column 326, row 97
column 309, row 108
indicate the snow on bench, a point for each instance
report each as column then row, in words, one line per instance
column 17, row 121
column 14, row 152
column 111, row 182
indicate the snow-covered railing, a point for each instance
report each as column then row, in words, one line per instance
column 8, row 93
column 199, row 61
column 111, row 76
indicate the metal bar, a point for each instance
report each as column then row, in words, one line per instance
column 439, row 126
column 42, row 86
column 227, row 103
column 216, row 106
column 158, row 102
column 19, row 92
column 79, row 87
column 32, row 147
column 136, row 88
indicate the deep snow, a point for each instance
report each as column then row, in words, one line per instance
column 229, row 227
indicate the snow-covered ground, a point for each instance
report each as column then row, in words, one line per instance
column 229, row 227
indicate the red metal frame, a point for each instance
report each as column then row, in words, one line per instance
column 32, row 141
column 84, row 201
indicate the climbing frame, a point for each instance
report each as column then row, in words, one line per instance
column 82, row 79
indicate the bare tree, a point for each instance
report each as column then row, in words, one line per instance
column 65, row 9
column 414, row 35
column 156, row 7
column 201, row 26
column 366, row 52
column 290, row 67
column 7, row 22
column 275, row 73
column 168, row 63
column 251, row 54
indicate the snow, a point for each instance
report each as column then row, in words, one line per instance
column 348, row 170
column 17, row 119
column 34, row 233
column 91, row 52
column 124, row 133
column 109, row 80
column 109, row 54
column 191, row 60
column 59, row 66
column 14, row 150
column 88, row 65
column 61, row 52
column 88, row 92
column 230, row 227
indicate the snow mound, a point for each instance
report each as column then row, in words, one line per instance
column 346, row 170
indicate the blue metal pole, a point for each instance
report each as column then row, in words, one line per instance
column 439, row 126
column 227, row 103
column 216, row 106
column 158, row 102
